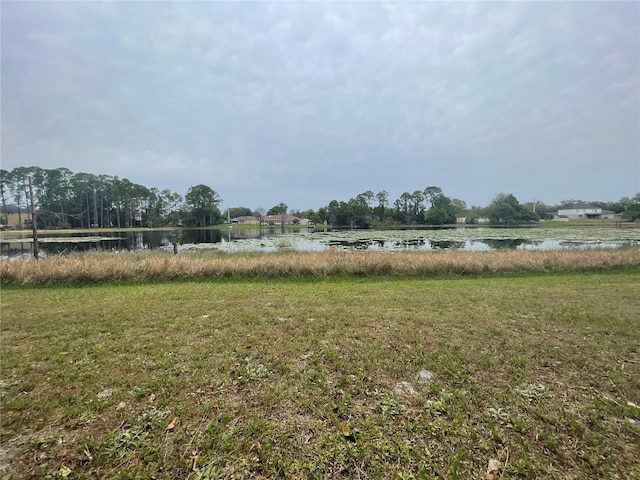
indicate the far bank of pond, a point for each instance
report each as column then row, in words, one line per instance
column 271, row 238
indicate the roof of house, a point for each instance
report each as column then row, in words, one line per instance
column 279, row 218
column 578, row 206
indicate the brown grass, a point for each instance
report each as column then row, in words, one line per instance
column 105, row 267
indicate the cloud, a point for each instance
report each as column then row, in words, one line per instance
column 336, row 97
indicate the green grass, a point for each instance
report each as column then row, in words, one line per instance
column 300, row 378
column 587, row 223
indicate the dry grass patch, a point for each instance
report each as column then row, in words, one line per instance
column 103, row 266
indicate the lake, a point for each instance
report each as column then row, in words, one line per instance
column 269, row 239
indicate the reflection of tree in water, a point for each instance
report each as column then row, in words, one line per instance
column 149, row 239
column 136, row 240
column 504, row 243
column 65, row 247
column 12, row 250
column 411, row 243
column 175, row 238
column 446, row 244
column 58, row 248
column 357, row 244
column 247, row 233
column 203, row 235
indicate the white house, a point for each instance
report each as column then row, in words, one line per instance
column 285, row 220
column 583, row 211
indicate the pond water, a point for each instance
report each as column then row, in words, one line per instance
column 268, row 239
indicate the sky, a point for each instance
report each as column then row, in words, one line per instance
column 304, row 103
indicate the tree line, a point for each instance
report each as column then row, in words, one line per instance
column 65, row 199
column 432, row 207
column 427, row 206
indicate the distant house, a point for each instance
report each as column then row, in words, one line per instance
column 280, row 220
column 247, row 220
column 583, row 211
column 13, row 217
column 472, row 220
column 610, row 215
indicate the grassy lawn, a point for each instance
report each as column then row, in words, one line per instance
column 244, row 378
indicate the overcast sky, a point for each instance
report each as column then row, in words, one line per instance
column 304, row 103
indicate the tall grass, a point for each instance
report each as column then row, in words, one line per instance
column 105, row 267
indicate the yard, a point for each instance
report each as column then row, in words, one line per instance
column 518, row 376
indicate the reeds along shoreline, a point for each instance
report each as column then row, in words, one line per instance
column 105, row 267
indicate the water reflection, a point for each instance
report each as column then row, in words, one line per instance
column 447, row 244
column 350, row 244
column 412, row 243
column 273, row 238
column 504, row 243
column 56, row 243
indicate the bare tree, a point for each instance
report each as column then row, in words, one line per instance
column 259, row 212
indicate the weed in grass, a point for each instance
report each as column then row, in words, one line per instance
column 517, row 424
column 251, row 369
column 532, row 391
column 498, row 413
column 139, row 393
column 208, row 472
column 125, row 440
column 391, row 406
column 455, row 462
column 153, row 417
column 83, row 419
